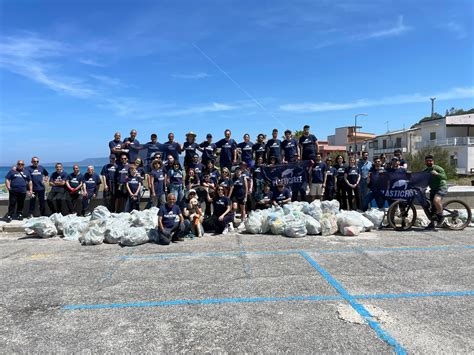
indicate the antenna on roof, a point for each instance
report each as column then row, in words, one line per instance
column 386, row 123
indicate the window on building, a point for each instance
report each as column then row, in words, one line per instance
column 398, row 142
column 376, row 144
column 432, row 136
column 384, row 144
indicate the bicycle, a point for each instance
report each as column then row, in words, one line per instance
column 402, row 213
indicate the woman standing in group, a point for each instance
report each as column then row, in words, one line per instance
column 340, row 182
column 352, row 179
column 238, row 192
column 175, row 181
column 329, row 185
column 157, row 184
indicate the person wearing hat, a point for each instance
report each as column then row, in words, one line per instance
column 282, row 195
column 171, row 147
column 395, row 166
column 308, row 144
column 190, row 148
column 107, row 176
column 208, row 150
column 290, row 149
column 273, row 147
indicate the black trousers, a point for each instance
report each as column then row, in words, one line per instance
column 39, row 195
column 16, row 202
column 55, row 201
column 72, row 201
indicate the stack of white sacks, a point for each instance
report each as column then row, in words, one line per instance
column 127, row 229
column 298, row 219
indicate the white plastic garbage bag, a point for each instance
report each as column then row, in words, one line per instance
column 312, row 225
column 75, row 227
column 351, row 231
column 253, row 223
column 328, row 224
column 146, row 218
column 375, row 216
column 296, row 227
column 115, row 229
column 94, row 235
column 314, row 209
column 100, row 213
column 42, row 226
column 348, row 219
column 277, row 225
column 331, row 206
column 135, row 236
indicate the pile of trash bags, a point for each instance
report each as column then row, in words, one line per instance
column 298, row 219
column 126, row 229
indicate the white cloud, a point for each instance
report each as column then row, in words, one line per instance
column 195, row 76
column 456, row 28
column 208, row 108
column 91, row 62
column 306, row 107
column 396, row 30
column 107, row 80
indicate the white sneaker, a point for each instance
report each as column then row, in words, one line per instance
column 226, row 230
column 230, row 227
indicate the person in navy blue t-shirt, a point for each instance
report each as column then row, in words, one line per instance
column 273, row 147
column 289, row 147
column 223, row 213
column 175, row 181
column 107, row 176
column 153, row 147
column 197, row 166
column 308, row 145
column 157, row 184
column 170, row 221
column 317, row 175
column 133, row 146
column 258, row 179
column 238, row 192
column 57, row 192
column 18, row 183
column 341, row 191
column 121, row 193
column 246, row 149
column 190, row 148
column 134, row 187
column 171, row 147
column 74, row 184
column 116, row 146
column 265, row 199
column 208, row 150
column 90, row 188
column 352, row 179
column 329, row 186
column 259, row 148
column 39, row 176
column 282, row 195
column 228, row 153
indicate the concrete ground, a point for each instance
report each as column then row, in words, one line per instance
column 383, row 291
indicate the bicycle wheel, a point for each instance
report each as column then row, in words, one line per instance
column 401, row 215
column 457, row 215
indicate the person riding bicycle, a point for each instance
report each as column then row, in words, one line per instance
column 438, row 189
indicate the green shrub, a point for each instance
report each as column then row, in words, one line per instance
column 416, row 162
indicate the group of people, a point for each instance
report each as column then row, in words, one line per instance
column 224, row 178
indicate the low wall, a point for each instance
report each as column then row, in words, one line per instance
column 464, row 193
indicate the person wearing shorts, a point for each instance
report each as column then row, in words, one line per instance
column 238, row 192
column 317, row 174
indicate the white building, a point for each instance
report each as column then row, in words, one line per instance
column 387, row 143
column 453, row 133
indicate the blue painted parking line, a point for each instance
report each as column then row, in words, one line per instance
column 415, row 295
column 204, row 302
column 359, row 308
column 295, row 251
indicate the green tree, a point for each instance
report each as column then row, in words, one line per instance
column 416, row 162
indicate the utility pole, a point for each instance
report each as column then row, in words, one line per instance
column 355, row 130
column 432, row 106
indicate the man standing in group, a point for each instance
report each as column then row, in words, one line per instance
column 259, row 149
column 74, row 184
column 39, row 176
column 152, row 148
column 90, row 188
column 120, row 181
column 273, row 147
column 208, row 150
column 246, row 150
column 171, row 147
column 438, row 189
column 308, row 145
column 17, row 182
column 228, row 153
column 116, row 146
column 364, row 165
column 317, row 177
column 189, row 148
column 107, row 176
column 289, row 147
column 56, row 194
column 398, row 154
column 133, row 145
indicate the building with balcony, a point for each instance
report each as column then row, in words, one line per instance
column 346, row 136
column 453, row 133
column 387, row 143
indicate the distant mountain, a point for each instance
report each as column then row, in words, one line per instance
column 85, row 162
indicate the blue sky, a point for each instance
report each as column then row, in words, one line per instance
column 74, row 72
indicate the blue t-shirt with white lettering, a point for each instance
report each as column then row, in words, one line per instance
column 220, row 205
column 259, row 150
column 239, row 187
column 152, row 149
column 37, row 175
column 198, row 168
column 158, row 181
column 172, row 148
column 317, row 173
column 133, row 149
column 18, row 180
column 352, row 174
column 75, row 180
column 208, row 151
column 340, row 171
column 289, row 149
column 189, row 150
column 309, row 148
column 176, row 176
column 121, row 173
column 169, row 215
column 257, row 172
column 58, row 177
column 282, row 195
column 117, row 145
column 246, row 151
column 228, row 148
column 108, row 170
column 134, row 182
column 92, row 182
column 330, row 173
column 273, row 148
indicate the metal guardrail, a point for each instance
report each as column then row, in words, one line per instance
column 452, row 141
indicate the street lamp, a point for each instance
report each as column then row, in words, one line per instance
column 355, row 129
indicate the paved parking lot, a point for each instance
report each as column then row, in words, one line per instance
column 383, row 291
